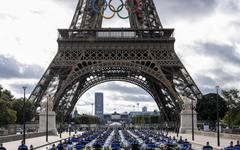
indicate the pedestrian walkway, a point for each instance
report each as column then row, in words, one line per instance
column 123, row 140
column 142, row 143
column 109, row 140
column 36, row 142
column 200, row 140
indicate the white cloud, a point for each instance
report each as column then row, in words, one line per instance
column 115, row 99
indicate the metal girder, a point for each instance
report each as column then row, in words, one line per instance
column 85, row 17
column 143, row 81
column 115, row 69
column 98, row 80
column 147, row 17
column 77, row 18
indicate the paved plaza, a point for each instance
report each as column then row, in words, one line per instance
column 36, row 142
column 201, row 140
column 198, row 143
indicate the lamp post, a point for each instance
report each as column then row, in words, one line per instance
column 218, row 134
column 1, row 90
column 178, row 126
column 192, row 121
column 69, row 129
column 47, row 120
column 24, row 121
column 92, row 108
column 61, row 121
column 69, row 125
column 61, row 118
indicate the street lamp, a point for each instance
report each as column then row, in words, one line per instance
column 69, row 128
column 192, row 121
column 61, row 121
column 61, row 118
column 1, row 90
column 218, row 134
column 24, row 121
column 177, row 128
column 69, row 125
column 47, row 119
column 92, row 108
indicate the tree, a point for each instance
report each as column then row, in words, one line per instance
column 207, row 107
column 17, row 105
column 155, row 119
column 86, row 119
column 232, row 116
column 7, row 115
column 146, row 119
column 6, row 95
column 12, row 116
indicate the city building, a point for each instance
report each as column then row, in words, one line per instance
column 116, row 117
column 127, row 117
column 99, row 104
column 143, row 113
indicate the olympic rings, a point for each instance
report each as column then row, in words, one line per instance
column 120, row 15
column 120, row 7
column 97, row 10
column 110, row 17
column 132, row 7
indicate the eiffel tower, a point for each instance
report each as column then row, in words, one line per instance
column 142, row 54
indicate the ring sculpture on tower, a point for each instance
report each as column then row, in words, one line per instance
column 131, row 6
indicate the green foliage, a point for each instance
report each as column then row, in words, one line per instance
column 6, row 95
column 146, row 119
column 11, row 109
column 12, row 116
column 207, row 107
column 17, row 105
column 86, row 119
column 232, row 97
column 7, row 115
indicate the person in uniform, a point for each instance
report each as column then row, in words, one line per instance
column 23, row 146
column 1, row 147
column 207, row 147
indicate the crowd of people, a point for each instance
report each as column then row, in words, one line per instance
column 116, row 139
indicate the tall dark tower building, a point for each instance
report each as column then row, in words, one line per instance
column 99, row 104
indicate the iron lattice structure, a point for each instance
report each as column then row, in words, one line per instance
column 142, row 54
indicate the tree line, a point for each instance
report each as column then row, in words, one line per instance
column 229, row 108
column 146, row 119
column 85, row 119
column 11, row 109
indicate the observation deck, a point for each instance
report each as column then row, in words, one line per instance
column 115, row 34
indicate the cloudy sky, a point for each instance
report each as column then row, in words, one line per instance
column 207, row 41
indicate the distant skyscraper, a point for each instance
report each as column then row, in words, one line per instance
column 144, row 109
column 99, row 104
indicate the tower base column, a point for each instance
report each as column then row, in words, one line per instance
column 51, row 122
